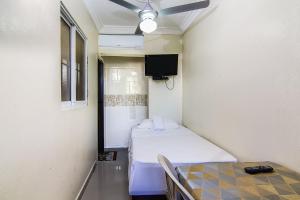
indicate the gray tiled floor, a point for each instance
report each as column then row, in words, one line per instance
column 109, row 180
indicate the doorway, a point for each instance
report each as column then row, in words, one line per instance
column 102, row 154
column 100, row 107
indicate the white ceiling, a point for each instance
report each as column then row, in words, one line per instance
column 111, row 18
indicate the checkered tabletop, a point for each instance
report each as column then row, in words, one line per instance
column 228, row 181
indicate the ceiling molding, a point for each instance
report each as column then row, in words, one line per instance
column 98, row 22
column 190, row 19
column 110, row 29
column 202, row 15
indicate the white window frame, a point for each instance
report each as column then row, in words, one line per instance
column 74, row 28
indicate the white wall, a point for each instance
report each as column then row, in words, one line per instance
column 165, row 102
column 126, row 96
column 161, row 101
column 241, row 79
column 45, row 152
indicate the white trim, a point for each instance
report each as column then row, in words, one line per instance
column 189, row 20
column 86, row 61
column 73, row 65
column 172, row 30
column 65, row 13
column 98, row 22
column 74, row 72
column 74, row 29
column 119, row 30
column 85, row 181
column 212, row 7
column 66, row 20
column 65, row 106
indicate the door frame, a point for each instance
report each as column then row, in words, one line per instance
column 100, row 106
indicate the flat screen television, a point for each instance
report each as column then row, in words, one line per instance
column 161, row 65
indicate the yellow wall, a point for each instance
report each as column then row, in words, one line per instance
column 45, row 152
column 153, row 44
column 241, row 79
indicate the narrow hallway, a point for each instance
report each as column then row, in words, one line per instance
column 109, row 181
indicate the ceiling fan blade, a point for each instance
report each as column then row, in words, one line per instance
column 184, row 8
column 127, row 5
column 138, row 31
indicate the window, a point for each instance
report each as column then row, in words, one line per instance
column 65, row 61
column 73, row 62
column 80, row 68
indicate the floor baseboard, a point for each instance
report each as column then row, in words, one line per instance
column 86, row 181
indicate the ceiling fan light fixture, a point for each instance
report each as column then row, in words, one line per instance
column 148, row 14
column 148, row 25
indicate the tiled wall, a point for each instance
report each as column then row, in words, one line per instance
column 126, row 98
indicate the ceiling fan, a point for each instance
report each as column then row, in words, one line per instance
column 148, row 15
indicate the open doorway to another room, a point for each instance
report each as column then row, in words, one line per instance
column 125, row 100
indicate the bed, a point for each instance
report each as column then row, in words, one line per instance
column 181, row 146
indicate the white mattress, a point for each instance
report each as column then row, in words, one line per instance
column 181, row 146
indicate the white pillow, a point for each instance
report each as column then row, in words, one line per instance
column 170, row 124
column 158, row 123
column 146, row 124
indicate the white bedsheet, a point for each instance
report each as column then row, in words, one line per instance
column 181, row 146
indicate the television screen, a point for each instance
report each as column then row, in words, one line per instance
column 161, row 65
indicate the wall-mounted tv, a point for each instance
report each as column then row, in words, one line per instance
column 161, row 65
